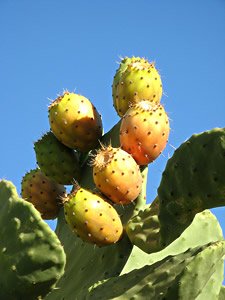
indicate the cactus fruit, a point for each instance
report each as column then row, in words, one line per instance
column 75, row 122
column 92, row 218
column 44, row 193
column 124, row 63
column 117, row 175
column 144, row 131
column 137, row 80
column 56, row 160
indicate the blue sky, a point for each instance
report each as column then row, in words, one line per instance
column 47, row 46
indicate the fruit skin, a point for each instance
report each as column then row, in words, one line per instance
column 56, row 160
column 75, row 122
column 144, row 131
column 117, row 175
column 137, row 80
column 92, row 218
column 44, row 193
column 125, row 62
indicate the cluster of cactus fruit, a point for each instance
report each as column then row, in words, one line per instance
column 110, row 244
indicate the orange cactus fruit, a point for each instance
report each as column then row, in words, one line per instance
column 144, row 131
column 117, row 175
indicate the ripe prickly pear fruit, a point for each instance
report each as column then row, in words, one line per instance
column 92, row 218
column 75, row 122
column 44, row 193
column 56, row 160
column 117, row 175
column 122, row 68
column 144, row 131
column 137, row 80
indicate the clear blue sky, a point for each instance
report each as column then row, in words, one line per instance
column 50, row 45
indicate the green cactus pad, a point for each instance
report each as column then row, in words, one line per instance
column 168, row 279
column 56, row 160
column 222, row 293
column 204, row 229
column 199, row 272
column 31, row 257
column 143, row 229
column 194, row 180
column 87, row 263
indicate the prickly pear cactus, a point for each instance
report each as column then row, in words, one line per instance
column 222, row 293
column 117, row 246
column 31, row 257
column 177, row 273
column 93, row 263
column 108, row 273
column 194, row 180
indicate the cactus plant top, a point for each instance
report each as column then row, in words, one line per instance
column 171, row 249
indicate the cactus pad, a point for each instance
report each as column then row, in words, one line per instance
column 193, row 180
column 31, row 256
column 169, row 278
